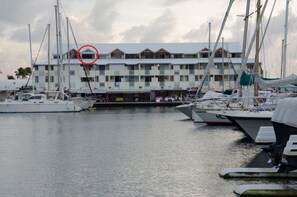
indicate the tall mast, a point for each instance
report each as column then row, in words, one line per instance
column 60, row 45
column 57, row 42
column 209, row 40
column 246, row 26
column 249, row 48
column 68, row 53
column 31, row 58
column 257, row 62
column 211, row 61
column 284, row 60
column 49, row 55
column 223, row 64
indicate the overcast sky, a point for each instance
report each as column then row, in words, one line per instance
column 133, row 21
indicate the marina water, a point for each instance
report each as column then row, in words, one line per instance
column 151, row 151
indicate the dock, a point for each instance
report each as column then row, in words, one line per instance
column 136, row 104
column 266, row 190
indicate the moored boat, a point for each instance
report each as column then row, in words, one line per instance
column 36, row 102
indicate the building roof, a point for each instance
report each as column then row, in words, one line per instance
column 148, row 61
column 136, row 48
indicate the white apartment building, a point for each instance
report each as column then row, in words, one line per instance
column 144, row 70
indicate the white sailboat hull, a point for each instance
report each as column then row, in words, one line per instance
column 186, row 109
column 84, row 103
column 211, row 119
column 248, row 122
column 35, row 107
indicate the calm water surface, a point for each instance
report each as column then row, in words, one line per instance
column 118, row 152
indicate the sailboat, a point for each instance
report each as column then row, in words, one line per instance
column 87, row 101
column 250, row 120
column 55, row 101
column 197, row 109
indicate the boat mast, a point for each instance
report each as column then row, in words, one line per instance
column 223, row 64
column 211, row 59
column 57, row 42
column 59, row 45
column 49, row 55
column 31, row 59
column 257, row 63
column 68, row 53
column 209, row 40
column 284, row 56
column 246, row 26
column 243, row 64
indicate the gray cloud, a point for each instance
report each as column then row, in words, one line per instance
column 97, row 26
column 156, row 31
column 16, row 12
column 172, row 2
column 103, row 15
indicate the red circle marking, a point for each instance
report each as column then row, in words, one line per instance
column 80, row 59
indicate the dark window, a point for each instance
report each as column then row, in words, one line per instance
column 87, row 56
column 86, row 79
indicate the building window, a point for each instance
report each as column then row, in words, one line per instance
column 73, row 54
column 190, row 55
column 86, row 79
column 97, row 78
column 202, row 66
column 46, row 79
column 162, row 54
column 36, row 79
column 52, row 78
column 72, row 72
column 197, row 78
column 117, row 54
column 88, row 56
column 236, row 55
column 130, row 67
column 147, row 54
column 132, row 56
column 106, row 78
column 178, row 55
column 103, row 56
column 46, row 67
column 218, row 78
column 147, row 67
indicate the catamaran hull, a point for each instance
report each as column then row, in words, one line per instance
column 84, row 104
column 28, row 107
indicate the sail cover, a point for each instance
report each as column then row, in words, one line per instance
column 246, row 79
column 264, row 84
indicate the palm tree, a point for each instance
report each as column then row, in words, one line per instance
column 23, row 72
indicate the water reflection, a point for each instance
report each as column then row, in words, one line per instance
column 117, row 152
